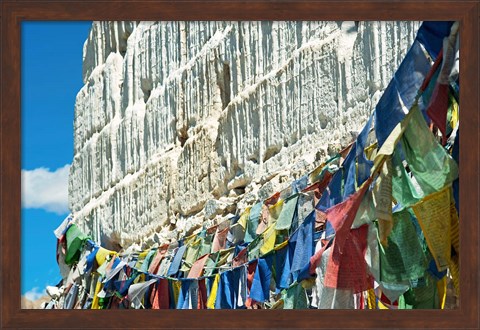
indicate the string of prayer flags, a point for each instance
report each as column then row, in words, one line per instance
column 376, row 230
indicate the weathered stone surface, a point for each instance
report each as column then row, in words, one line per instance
column 180, row 122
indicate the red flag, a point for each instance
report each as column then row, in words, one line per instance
column 438, row 108
column 342, row 215
column 348, row 270
column 197, row 267
column 160, row 297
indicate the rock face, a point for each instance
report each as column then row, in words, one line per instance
column 26, row 303
column 184, row 122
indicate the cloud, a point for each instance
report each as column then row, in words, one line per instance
column 46, row 190
column 34, row 294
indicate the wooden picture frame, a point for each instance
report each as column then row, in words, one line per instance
column 14, row 12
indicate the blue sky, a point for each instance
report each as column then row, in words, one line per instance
column 51, row 78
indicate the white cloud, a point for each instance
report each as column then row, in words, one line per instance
column 46, row 190
column 34, row 294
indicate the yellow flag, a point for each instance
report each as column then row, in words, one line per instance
column 371, row 299
column 176, row 290
column 389, row 145
column 382, row 305
column 454, row 107
column 141, row 258
column 213, row 293
column 454, row 229
column 98, row 288
column 102, row 255
column 442, row 291
column 274, row 211
column 433, row 214
column 140, row 278
column 269, row 237
column 143, row 254
column 371, row 151
column 281, row 245
column 244, row 217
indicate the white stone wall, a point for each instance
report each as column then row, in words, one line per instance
column 177, row 116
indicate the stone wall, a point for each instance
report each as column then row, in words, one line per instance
column 183, row 122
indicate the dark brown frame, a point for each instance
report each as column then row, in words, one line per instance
column 13, row 12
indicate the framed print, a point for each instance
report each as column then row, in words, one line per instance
column 301, row 158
